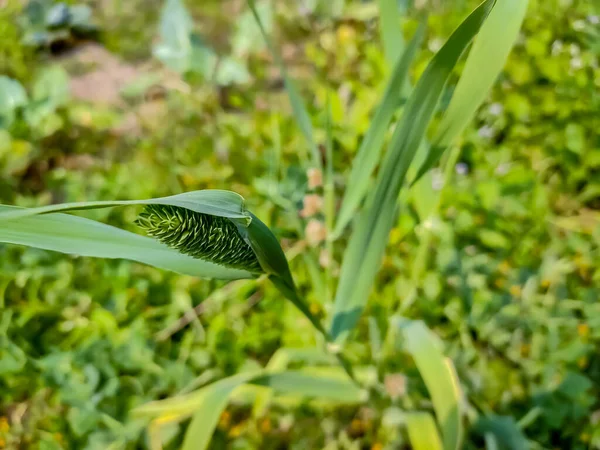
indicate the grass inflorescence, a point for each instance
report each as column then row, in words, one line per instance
column 203, row 236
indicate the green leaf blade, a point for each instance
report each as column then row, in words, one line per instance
column 367, row 244
column 440, row 379
column 370, row 149
column 79, row 236
column 391, row 34
column 299, row 108
column 310, row 385
column 422, row 432
column 210, row 201
column 485, row 62
column 278, row 363
column 212, row 403
column 209, row 402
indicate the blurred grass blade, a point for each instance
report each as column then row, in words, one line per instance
column 440, row 379
column 391, row 33
column 485, row 62
column 369, row 152
column 367, row 245
column 309, row 385
column 422, row 432
column 212, row 403
column 79, row 236
column 279, row 362
column 298, row 107
column 208, row 403
column 180, row 407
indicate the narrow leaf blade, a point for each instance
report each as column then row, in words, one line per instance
column 422, row 431
column 367, row 245
column 391, row 34
column 440, row 379
column 278, row 363
column 310, row 385
column 485, row 62
column 298, row 107
column 208, row 403
column 210, row 201
column 370, row 149
column 213, row 402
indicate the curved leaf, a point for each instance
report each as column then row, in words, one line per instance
column 208, row 403
column 278, row 363
column 79, row 236
column 440, row 379
column 310, row 385
column 422, row 431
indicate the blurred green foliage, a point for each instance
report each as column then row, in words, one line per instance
column 510, row 283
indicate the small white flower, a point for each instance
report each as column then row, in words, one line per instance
column 429, row 224
column 435, row 44
column 576, row 63
column 437, row 180
column 461, row 168
column 557, row 47
column 578, row 25
column 574, row 49
column 486, row 132
column 334, row 348
column 496, row 109
column 593, row 19
column 502, row 169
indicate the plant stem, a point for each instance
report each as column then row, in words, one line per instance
column 329, row 194
column 290, row 292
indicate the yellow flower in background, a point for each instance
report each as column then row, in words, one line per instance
column 236, row 430
column 225, row 419
column 583, row 330
column 504, row 267
column 515, row 290
column 345, row 34
column 265, row 425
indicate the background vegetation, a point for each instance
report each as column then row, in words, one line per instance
column 98, row 101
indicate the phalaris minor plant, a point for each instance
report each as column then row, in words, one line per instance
column 211, row 234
